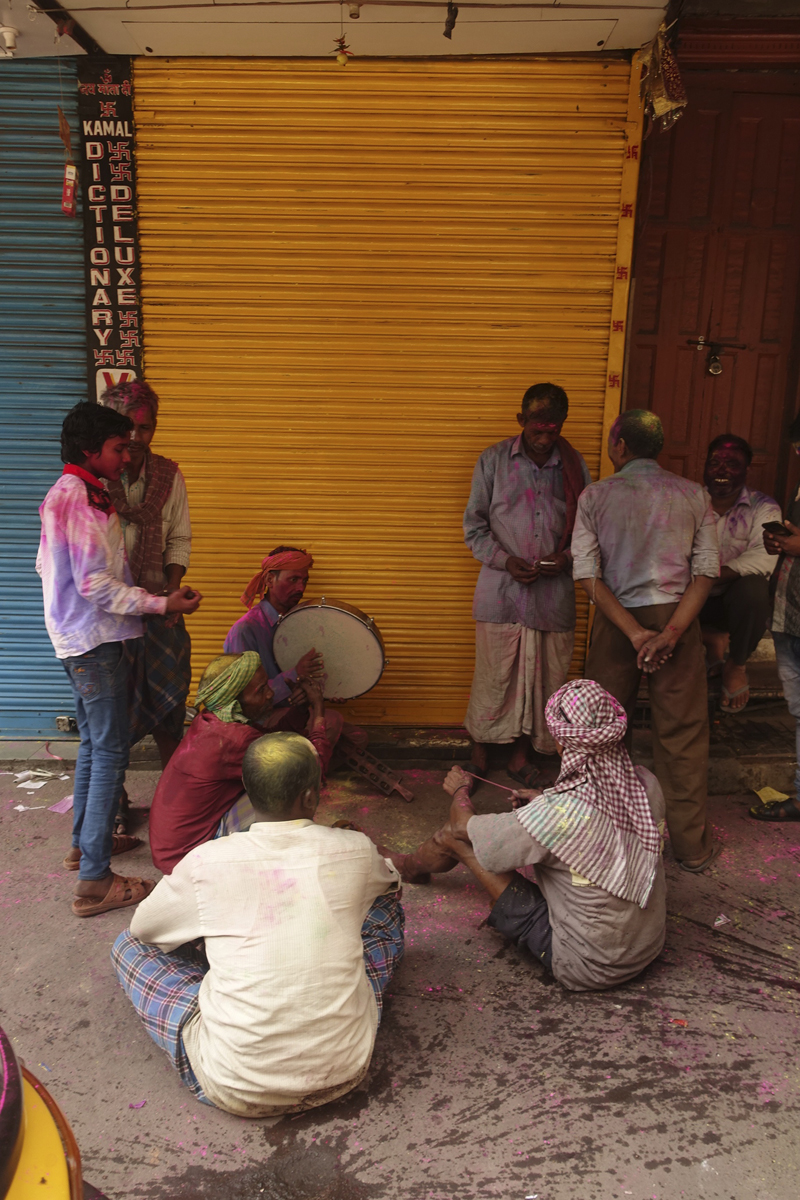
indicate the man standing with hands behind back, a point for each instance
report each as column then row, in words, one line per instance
column 645, row 549
column 518, row 524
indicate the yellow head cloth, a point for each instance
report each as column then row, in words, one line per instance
column 223, row 681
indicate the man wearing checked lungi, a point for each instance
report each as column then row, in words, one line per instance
column 518, row 524
column 302, row 930
column 151, row 501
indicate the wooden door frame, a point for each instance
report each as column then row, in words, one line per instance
column 729, row 43
column 713, row 48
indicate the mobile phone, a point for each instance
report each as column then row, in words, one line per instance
column 776, row 529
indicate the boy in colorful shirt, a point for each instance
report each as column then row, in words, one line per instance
column 90, row 609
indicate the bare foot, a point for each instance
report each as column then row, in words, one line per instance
column 94, row 887
column 480, row 757
column 734, row 679
column 453, row 837
column 519, row 756
column 74, row 854
column 716, row 643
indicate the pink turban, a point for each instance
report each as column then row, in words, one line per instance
column 287, row 560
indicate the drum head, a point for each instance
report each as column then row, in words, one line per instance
column 352, row 649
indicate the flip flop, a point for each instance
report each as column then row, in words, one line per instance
column 124, row 892
column 726, row 695
column 776, row 810
column 526, row 775
column 703, row 866
column 121, row 844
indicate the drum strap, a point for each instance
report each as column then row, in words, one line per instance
column 373, row 770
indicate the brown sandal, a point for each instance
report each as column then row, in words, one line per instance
column 121, row 844
column 124, row 892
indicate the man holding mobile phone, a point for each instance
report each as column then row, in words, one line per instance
column 518, row 524
column 786, row 630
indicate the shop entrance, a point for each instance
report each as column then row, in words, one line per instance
column 715, row 298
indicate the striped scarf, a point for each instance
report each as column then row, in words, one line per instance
column 596, row 818
column 224, row 679
column 147, row 559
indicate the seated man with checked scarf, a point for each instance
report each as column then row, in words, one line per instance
column 596, row 915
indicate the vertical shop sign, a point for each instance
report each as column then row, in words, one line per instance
column 108, row 177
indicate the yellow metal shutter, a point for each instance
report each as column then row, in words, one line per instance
column 350, row 276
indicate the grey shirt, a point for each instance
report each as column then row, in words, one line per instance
column 646, row 533
column 599, row 941
column 516, row 509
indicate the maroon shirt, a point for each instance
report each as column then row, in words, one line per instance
column 197, row 787
column 204, row 778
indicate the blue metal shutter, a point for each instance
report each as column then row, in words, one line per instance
column 42, row 371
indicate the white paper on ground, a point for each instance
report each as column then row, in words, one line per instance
column 30, row 784
column 28, row 807
column 63, row 805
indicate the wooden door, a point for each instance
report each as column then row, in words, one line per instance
column 717, row 257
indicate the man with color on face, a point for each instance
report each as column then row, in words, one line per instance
column 737, row 610
column 645, row 549
column 518, row 524
column 153, row 508
column 279, row 587
column 200, row 794
column 91, row 609
column 303, row 930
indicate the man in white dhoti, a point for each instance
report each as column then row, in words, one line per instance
column 518, row 524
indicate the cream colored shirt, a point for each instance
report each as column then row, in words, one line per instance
column 176, row 526
column 741, row 535
column 287, row 1015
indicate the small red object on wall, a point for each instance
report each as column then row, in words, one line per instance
column 68, row 194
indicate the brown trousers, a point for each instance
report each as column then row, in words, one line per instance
column 679, row 712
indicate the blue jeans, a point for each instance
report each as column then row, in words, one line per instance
column 99, row 681
column 787, row 652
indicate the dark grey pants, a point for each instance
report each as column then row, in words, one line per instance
column 742, row 610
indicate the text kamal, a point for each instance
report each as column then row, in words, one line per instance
column 107, row 129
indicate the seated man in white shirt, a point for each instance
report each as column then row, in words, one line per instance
column 303, row 930
column 737, row 610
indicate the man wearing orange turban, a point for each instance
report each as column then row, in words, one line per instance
column 279, row 587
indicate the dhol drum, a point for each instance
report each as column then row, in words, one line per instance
column 348, row 640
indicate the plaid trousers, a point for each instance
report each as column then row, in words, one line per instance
column 163, row 988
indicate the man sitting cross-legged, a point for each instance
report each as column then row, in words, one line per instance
column 303, row 930
column 201, row 789
column 596, row 915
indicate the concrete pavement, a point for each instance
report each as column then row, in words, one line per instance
column 488, row 1081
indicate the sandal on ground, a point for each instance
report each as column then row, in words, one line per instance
column 725, row 703
column 123, row 893
column 776, row 810
column 527, row 775
column 706, row 863
column 120, row 844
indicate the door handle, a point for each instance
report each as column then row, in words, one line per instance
column 713, row 363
